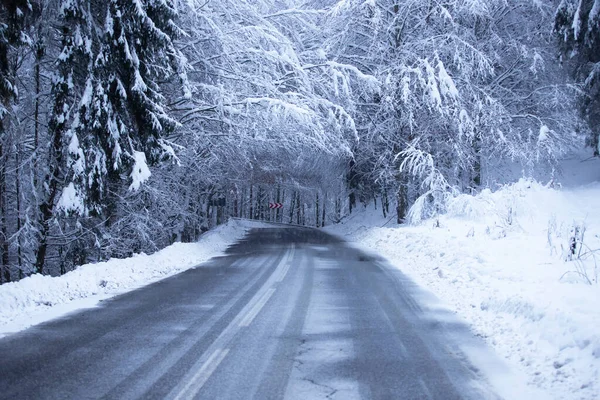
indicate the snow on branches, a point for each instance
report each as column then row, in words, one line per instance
column 457, row 85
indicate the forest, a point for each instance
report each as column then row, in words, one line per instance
column 128, row 125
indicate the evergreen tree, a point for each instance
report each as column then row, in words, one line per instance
column 12, row 35
column 128, row 120
column 64, row 151
column 577, row 24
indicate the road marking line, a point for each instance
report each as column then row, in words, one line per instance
column 245, row 317
column 205, row 372
column 257, row 307
column 283, row 272
column 288, row 263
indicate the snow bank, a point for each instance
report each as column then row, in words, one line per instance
column 502, row 261
column 40, row 298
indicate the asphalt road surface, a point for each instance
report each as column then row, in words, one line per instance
column 288, row 313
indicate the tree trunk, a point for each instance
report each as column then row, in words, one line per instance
column 402, row 198
column 46, row 212
column 385, row 203
column 282, row 202
column 324, row 202
column 236, row 210
column 298, row 209
column 278, row 200
column 251, row 203
column 220, row 213
column 18, row 199
column 4, row 246
column 292, row 204
column 39, row 54
column 317, row 215
column 477, row 165
column 243, row 207
column 259, row 205
column 352, row 186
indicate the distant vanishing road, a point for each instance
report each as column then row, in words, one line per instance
column 288, row 313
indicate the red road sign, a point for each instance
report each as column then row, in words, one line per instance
column 275, row 205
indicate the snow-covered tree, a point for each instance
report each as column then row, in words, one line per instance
column 12, row 35
column 577, row 24
column 142, row 122
column 123, row 117
column 261, row 90
column 110, row 119
column 64, row 145
column 459, row 88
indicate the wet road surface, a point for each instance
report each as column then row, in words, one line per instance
column 288, row 313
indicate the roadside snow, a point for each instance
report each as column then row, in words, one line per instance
column 40, row 298
column 502, row 262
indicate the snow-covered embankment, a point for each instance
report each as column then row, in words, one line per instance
column 502, row 262
column 40, row 298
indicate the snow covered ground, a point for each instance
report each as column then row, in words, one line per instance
column 502, row 262
column 40, row 298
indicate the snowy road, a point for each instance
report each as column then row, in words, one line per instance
column 289, row 313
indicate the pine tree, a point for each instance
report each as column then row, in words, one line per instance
column 12, row 35
column 577, row 24
column 128, row 120
column 64, row 152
